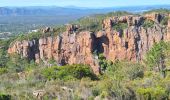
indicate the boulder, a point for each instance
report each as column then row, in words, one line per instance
column 156, row 17
column 39, row 94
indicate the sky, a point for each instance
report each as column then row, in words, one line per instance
column 82, row 3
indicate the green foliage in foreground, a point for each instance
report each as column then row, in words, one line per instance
column 104, row 64
column 155, row 53
column 68, row 72
column 119, row 71
column 122, row 80
column 5, row 97
column 3, row 70
column 157, row 56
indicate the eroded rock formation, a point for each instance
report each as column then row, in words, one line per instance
column 74, row 47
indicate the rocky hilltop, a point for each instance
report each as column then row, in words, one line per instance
column 75, row 47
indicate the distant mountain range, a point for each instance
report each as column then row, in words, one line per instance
column 71, row 10
column 24, row 19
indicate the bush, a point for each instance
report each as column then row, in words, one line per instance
column 17, row 63
column 164, row 21
column 68, row 72
column 104, row 64
column 135, row 71
column 93, row 24
column 3, row 70
column 5, row 97
column 152, row 93
column 125, row 71
column 120, row 26
column 148, row 24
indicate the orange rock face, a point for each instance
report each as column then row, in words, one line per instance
column 131, row 43
column 156, row 17
column 168, row 30
column 71, row 47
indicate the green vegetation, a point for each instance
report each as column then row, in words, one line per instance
column 156, row 56
column 91, row 23
column 3, row 70
column 133, row 71
column 120, row 26
column 104, row 64
column 148, row 24
column 68, row 72
column 120, row 80
column 161, row 11
column 22, row 24
column 119, row 13
column 5, row 97
column 4, row 44
column 94, row 23
column 164, row 21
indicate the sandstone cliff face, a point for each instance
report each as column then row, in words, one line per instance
column 168, row 30
column 71, row 47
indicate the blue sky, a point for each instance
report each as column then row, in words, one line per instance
column 82, row 3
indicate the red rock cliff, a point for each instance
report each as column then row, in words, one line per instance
column 74, row 48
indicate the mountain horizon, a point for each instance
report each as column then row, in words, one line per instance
column 67, row 10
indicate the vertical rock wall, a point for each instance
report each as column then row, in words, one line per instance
column 74, row 47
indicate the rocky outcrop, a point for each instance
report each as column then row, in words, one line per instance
column 69, row 48
column 39, row 94
column 168, row 30
column 156, row 17
column 131, row 43
column 74, row 47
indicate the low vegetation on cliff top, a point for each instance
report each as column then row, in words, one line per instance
column 22, row 79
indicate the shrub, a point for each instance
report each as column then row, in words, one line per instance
column 120, row 26
column 148, row 24
column 17, row 63
column 152, row 93
column 3, row 70
column 5, row 97
column 164, row 21
column 155, row 57
column 104, row 64
column 135, row 71
column 68, row 72
column 90, row 23
column 125, row 70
